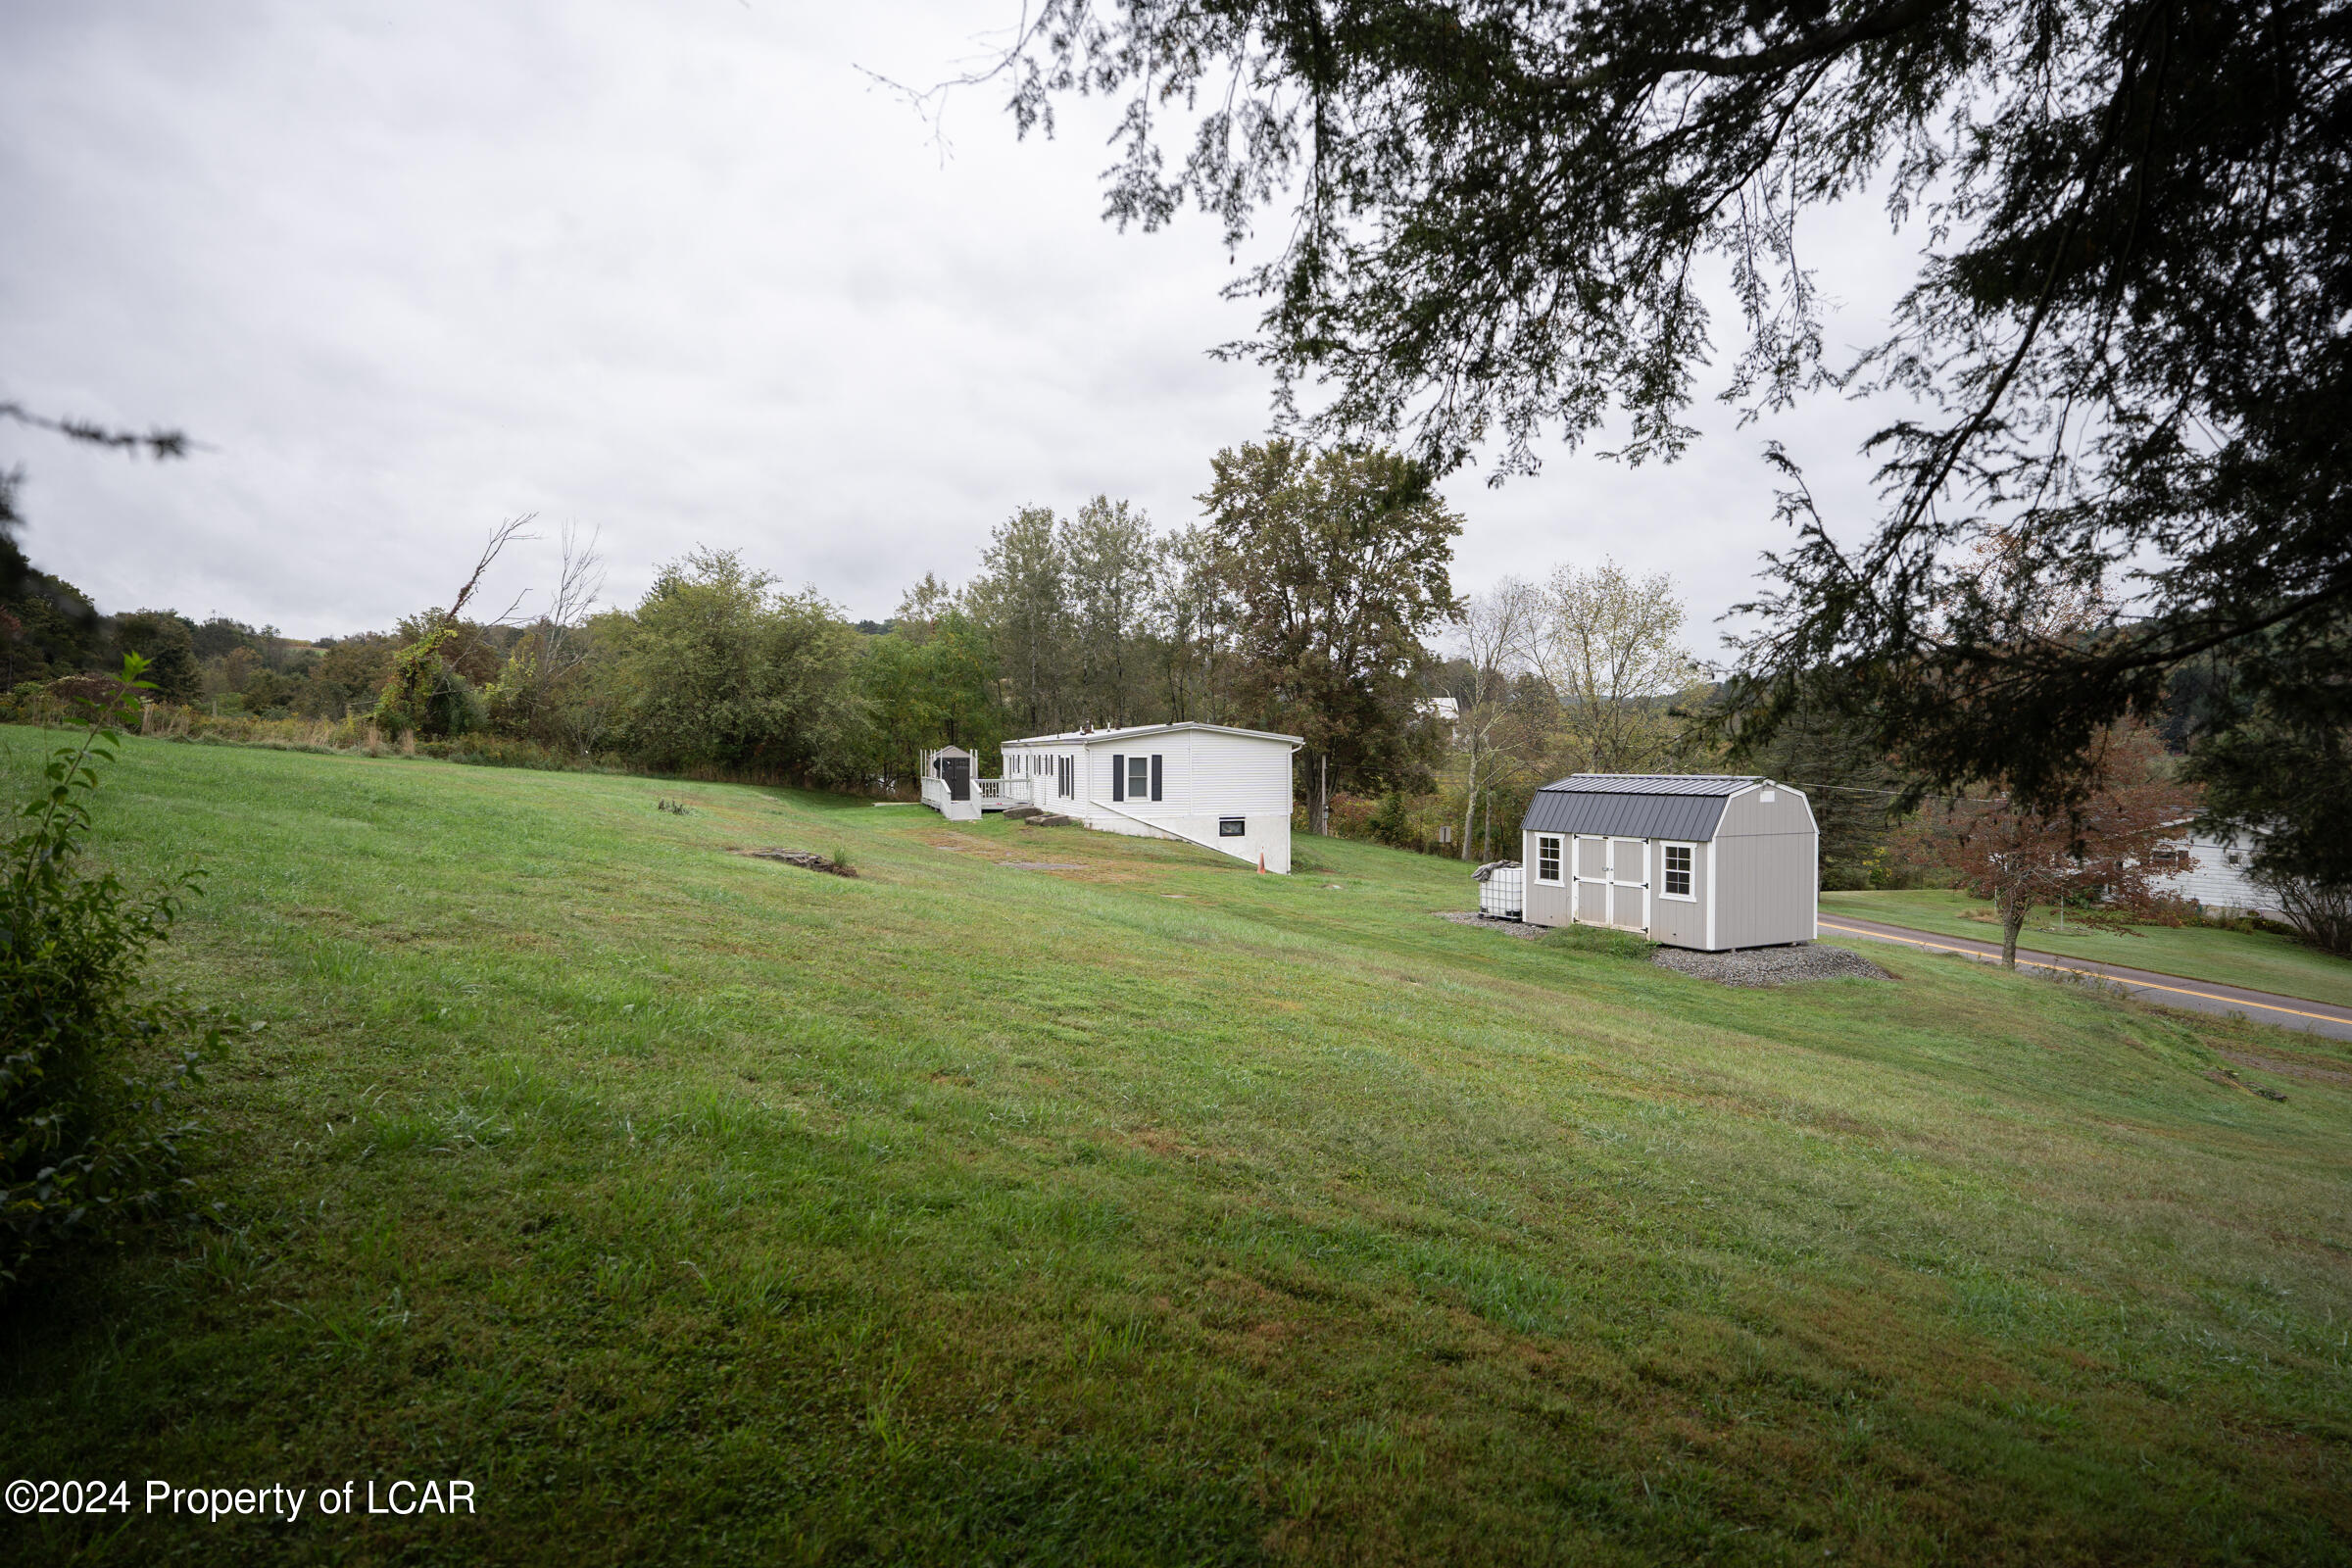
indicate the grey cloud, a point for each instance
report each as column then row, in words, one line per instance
column 680, row 274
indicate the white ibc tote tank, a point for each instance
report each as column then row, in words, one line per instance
column 1502, row 891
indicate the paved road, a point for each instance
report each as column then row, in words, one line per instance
column 2199, row 996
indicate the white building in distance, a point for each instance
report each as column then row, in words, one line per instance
column 2212, row 873
column 1224, row 789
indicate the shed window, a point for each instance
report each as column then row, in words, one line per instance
column 1548, row 857
column 1231, row 827
column 1678, row 871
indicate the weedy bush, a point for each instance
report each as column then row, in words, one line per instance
column 1605, row 940
column 86, row 1147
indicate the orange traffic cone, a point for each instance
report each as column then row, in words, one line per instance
column 1261, row 863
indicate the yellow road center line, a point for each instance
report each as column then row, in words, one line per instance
column 2068, row 968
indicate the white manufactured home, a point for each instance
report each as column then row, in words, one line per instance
column 1698, row 860
column 1224, row 789
column 2213, row 873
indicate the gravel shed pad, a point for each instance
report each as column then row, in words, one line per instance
column 1770, row 966
column 1509, row 928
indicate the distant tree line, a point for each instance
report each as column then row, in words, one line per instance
column 1312, row 597
column 1304, row 602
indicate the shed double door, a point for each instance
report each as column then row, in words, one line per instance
column 1612, row 882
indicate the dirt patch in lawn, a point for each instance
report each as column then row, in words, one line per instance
column 2286, row 1069
column 806, row 860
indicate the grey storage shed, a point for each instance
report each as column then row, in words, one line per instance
column 1702, row 861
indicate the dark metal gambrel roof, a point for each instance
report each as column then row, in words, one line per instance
column 1636, row 805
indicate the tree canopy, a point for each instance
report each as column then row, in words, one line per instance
column 1337, row 567
column 2127, row 342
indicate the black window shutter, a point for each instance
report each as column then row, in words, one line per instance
column 1118, row 777
column 1155, row 775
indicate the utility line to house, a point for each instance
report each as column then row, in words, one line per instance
column 1849, row 789
column 1855, row 789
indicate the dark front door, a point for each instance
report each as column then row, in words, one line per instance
column 958, row 772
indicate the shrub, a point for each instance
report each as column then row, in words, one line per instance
column 85, row 1149
column 1390, row 824
column 2319, row 914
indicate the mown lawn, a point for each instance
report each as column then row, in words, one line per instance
column 2261, row 959
column 700, row 1209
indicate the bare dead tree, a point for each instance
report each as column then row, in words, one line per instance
column 579, row 584
column 414, row 667
column 1497, row 630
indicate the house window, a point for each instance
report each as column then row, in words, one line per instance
column 2167, row 855
column 1231, row 827
column 1678, row 871
column 1139, row 778
column 1548, row 857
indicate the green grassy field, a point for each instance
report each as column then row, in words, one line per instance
column 701, row 1208
column 2261, row 959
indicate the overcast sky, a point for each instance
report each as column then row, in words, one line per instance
column 678, row 273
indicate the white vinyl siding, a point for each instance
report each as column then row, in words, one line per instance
column 2217, row 879
column 1190, row 784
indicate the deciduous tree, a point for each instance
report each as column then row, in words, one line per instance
column 164, row 641
column 718, row 669
column 1337, row 566
column 1021, row 599
column 1113, row 577
column 1497, row 630
column 2129, row 341
column 1196, row 617
column 2020, row 855
column 1610, row 647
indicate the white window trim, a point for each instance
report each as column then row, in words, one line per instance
column 1558, row 859
column 1680, row 898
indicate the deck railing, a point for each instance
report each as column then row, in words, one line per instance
column 988, row 793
